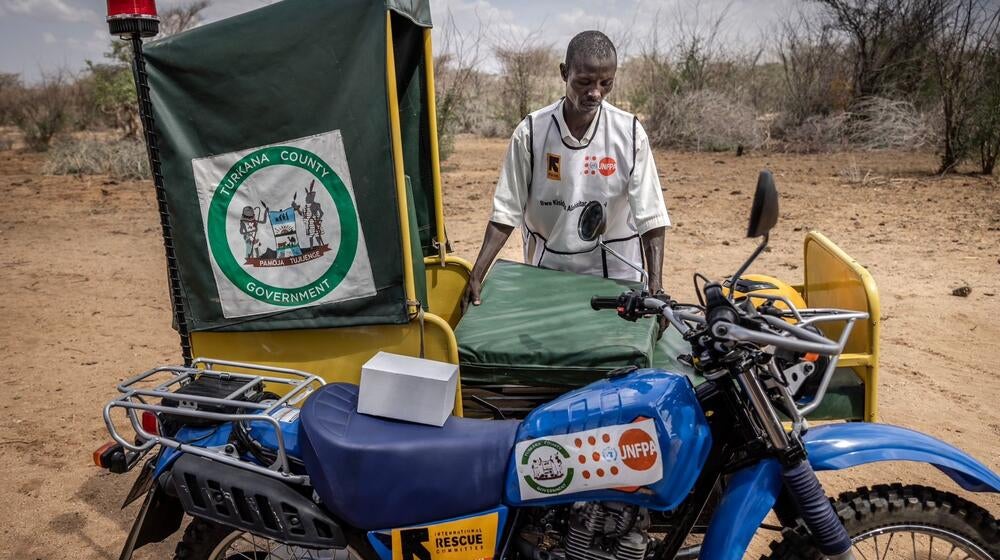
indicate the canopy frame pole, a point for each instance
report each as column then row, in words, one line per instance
column 441, row 240
column 412, row 304
column 153, row 153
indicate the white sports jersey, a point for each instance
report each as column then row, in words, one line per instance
column 564, row 175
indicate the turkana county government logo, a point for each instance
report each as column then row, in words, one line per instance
column 550, row 472
column 282, row 227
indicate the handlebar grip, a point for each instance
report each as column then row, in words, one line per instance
column 598, row 302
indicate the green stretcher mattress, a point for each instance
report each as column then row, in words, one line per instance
column 535, row 328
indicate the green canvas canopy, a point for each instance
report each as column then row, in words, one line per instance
column 274, row 136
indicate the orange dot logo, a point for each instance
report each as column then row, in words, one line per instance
column 637, row 449
column 607, row 166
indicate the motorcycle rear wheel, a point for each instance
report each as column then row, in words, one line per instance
column 890, row 522
column 204, row 540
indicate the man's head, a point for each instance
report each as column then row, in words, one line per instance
column 589, row 70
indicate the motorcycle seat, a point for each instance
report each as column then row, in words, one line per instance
column 377, row 473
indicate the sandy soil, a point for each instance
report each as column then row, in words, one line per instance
column 84, row 303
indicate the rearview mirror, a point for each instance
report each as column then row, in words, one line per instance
column 764, row 213
column 592, row 222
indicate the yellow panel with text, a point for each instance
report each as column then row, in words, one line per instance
column 472, row 538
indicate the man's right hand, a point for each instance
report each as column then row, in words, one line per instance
column 496, row 235
column 471, row 295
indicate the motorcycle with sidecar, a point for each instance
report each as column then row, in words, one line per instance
column 341, row 256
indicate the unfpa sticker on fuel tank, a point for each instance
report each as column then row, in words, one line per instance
column 623, row 457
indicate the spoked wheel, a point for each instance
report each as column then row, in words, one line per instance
column 204, row 540
column 904, row 522
column 912, row 541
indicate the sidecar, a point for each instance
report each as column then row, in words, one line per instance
column 535, row 336
column 295, row 160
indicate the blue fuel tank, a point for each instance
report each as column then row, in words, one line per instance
column 641, row 439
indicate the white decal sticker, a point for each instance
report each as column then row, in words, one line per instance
column 282, row 226
column 621, row 457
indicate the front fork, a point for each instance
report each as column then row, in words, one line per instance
column 803, row 487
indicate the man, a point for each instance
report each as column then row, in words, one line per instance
column 576, row 150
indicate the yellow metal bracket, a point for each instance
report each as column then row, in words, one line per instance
column 397, row 162
column 440, row 239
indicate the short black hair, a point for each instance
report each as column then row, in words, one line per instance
column 590, row 45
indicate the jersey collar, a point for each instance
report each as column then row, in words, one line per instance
column 567, row 136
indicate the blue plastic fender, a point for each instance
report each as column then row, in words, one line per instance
column 841, row 446
column 752, row 492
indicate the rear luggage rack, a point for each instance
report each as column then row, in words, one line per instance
column 179, row 401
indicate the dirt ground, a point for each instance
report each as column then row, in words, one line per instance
column 84, row 303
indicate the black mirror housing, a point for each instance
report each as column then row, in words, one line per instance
column 592, row 221
column 764, row 213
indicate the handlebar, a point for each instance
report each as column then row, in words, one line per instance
column 729, row 331
column 800, row 339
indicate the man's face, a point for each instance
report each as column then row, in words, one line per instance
column 588, row 82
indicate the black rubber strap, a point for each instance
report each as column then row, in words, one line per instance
column 635, row 148
column 531, row 152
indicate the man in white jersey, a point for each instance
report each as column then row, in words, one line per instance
column 577, row 150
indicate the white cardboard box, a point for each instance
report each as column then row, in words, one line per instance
column 407, row 388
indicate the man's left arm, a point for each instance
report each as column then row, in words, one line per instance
column 648, row 208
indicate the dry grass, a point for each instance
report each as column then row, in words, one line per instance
column 119, row 159
column 705, row 120
column 878, row 123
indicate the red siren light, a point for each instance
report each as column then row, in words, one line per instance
column 130, row 17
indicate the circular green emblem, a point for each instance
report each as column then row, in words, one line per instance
column 549, row 465
column 218, row 240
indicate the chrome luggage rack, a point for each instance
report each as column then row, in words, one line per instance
column 135, row 398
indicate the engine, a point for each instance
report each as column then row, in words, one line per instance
column 587, row 531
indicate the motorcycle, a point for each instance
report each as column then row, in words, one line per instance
column 626, row 468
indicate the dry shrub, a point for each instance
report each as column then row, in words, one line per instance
column 878, row 123
column 815, row 134
column 43, row 110
column 705, row 120
column 10, row 84
column 123, row 159
column 854, row 175
column 528, row 78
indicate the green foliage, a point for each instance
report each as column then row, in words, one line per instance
column 108, row 87
column 110, row 91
